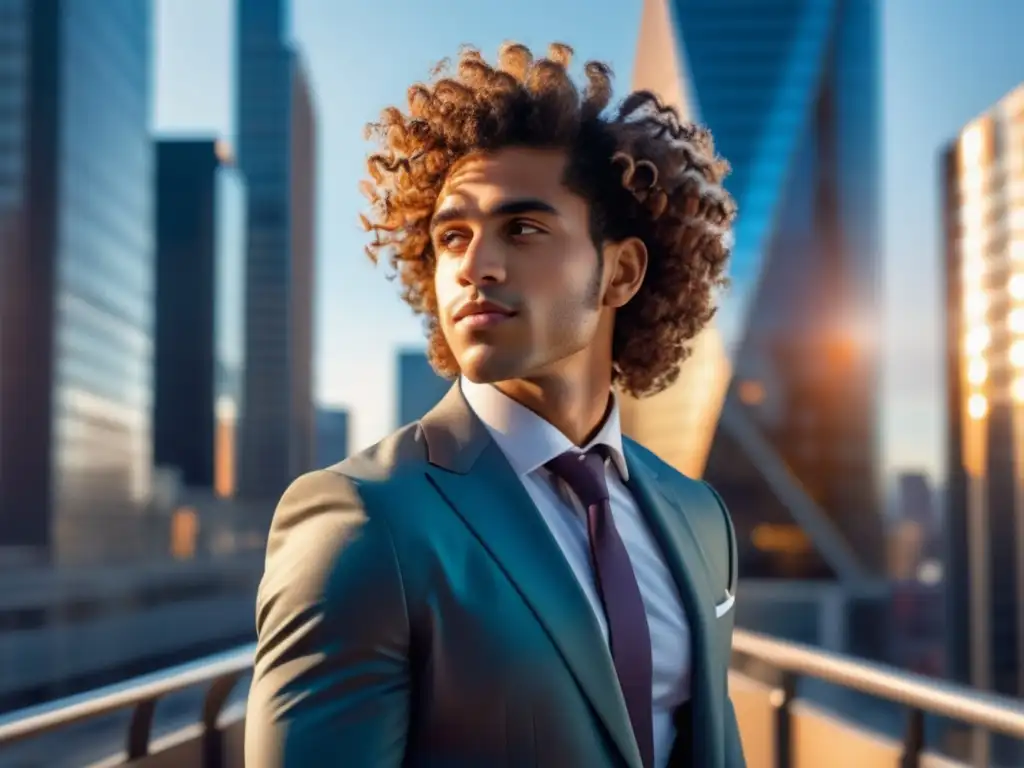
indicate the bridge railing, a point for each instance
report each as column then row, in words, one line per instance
column 214, row 740
column 779, row 728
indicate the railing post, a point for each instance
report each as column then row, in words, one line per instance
column 981, row 748
column 213, row 705
column 140, row 728
column 782, row 698
column 913, row 739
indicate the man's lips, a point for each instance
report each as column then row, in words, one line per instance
column 480, row 314
column 484, row 319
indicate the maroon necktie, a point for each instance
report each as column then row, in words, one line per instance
column 629, row 637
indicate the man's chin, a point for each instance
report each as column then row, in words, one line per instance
column 481, row 375
column 486, row 366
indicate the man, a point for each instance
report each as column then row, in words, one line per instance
column 509, row 581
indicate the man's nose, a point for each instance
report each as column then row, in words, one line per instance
column 482, row 263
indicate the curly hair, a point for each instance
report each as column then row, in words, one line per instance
column 643, row 171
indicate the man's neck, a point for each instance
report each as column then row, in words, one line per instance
column 576, row 409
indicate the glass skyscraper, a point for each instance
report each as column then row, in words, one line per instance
column 777, row 407
column 332, row 427
column 419, row 388
column 76, row 289
column 200, row 334
column 303, row 200
column 277, row 153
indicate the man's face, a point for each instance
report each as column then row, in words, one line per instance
column 518, row 278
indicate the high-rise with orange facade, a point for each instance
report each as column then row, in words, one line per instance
column 983, row 205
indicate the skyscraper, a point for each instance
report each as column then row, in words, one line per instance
column 912, row 531
column 777, row 406
column 983, row 192
column 199, row 312
column 419, row 387
column 276, row 152
column 331, row 436
column 915, row 499
column 76, row 275
column 303, row 233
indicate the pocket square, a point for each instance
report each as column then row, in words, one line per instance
column 723, row 607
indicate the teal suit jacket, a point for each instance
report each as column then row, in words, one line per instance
column 416, row 611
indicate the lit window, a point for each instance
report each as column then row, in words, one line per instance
column 973, row 271
column 977, row 371
column 975, row 304
column 1017, row 250
column 973, row 245
column 1017, row 286
column 971, row 146
column 977, row 406
column 971, row 181
column 1017, row 354
column 751, row 392
column 978, row 339
column 972, row 215
column 1018, row 390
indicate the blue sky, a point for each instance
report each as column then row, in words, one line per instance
column 945, row 61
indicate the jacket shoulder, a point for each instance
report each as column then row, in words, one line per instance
column 359, row 482
column 702, row 505
column 400, row 451
column 367, row 491
column 670, row 475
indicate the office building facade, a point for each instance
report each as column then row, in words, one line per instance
column 200, row 321
column 419, row 388
column 302, row 198
column 277, row 154
column 983, row 194
column 332, row 445
column 76, row 289
column 778, row 401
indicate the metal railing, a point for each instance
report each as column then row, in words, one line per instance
column 782, row 744
column 919, row 695
column 220, row 674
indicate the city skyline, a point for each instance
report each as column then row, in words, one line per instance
column 936, row 78
column 140, row 277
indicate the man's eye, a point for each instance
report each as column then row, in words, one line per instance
column 523, row 229
column 451, row 238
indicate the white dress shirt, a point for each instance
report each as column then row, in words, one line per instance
column 529, row 442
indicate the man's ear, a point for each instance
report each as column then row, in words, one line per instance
column 627, row 265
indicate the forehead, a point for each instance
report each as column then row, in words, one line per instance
column 484, row 181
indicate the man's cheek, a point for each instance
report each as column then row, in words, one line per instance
column 445, row 287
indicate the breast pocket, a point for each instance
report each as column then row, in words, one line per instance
column 726, row 605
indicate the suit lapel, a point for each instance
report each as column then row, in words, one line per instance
column 689, row 566
column 473, row 476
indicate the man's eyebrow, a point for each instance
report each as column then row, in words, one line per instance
column 506, row 208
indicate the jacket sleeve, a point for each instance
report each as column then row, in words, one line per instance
column 331, row 679
column 734, row 757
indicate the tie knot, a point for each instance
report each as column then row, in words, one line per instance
column 584, row 473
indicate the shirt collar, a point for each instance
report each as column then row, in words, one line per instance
column 527, row 440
